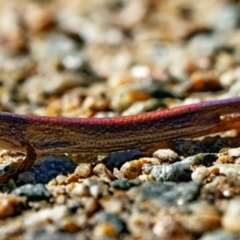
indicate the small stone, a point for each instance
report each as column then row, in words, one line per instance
column 77, row 189
column 169, row 192
column 105, row 229
column 231, row 217
column 112, row 223
column 204, row 80
column 69, row 225
column 26, row 177
column 90, row 205
column 225, row 17
column 166, row 155
column 35, row 86
column 139, row 227
column 48, row 232
column 117, row 159
column 112, row 205
column 149, row 160
column 54, row 214
column 234, row 152
column 61, row 179
column 103, row 173
column 200, row 174
column 139, row 107
column 33, row 192
column 38, row 19
column 125, row 184
column 225, row 159
column 61, row 199
column 53, row 182
column 219, row 235
column 228, row 78
column 200, row 216
column 50, row 167
column 73, row 61
column 131, row 170
column 178, row 170
column 168, row 228
column 140, row 71
column 99, row 189
column 228, row 169
column 125, row 97
column 10, row 206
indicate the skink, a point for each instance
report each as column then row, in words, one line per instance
column 36, row 135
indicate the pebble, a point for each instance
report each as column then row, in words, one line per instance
column 219, row 235
column 104, row 230
column 200, row 174
column 228, row 169
column 78, row 189
column 35, row 86
column 117, row 159
column 127, row 98
column 204, row 44
column 178, row 170
column 225, row 159
column 47, row 233
column 131, row 170
column 61, row 179
column 50, row 167
column 83, row 170
column 204, row 81
column 231, row 217
column 54, row 214
column 70, row 225
column 229, row 77
column 38, row 19
column 140, row 225
column 169, row 228
column 132, row 97
column 200, row 217
column 54, row 46
column 89, row 187
column 139, row 107
column 169, row 192
column 91, row 205
column 11, row 30
column 100, row 189
column 109, row 224
column 112, row 205
column 223, row 187
column 234, row 152
column 125, row 184
column 10, row 206
column 8, row 230
column 74, row 61
column 229, row 17
column 103, row 173
column 33, row 192
column 27, row 177
column 224, row 62
column 166, row 155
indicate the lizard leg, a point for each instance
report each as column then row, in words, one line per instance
column 230, row 121
column 11, row 170
column 29, row 160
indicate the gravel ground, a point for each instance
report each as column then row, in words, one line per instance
column 107, row 58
